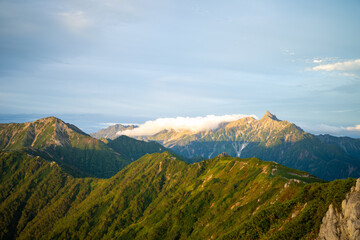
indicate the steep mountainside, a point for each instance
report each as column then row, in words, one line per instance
column 350, row 145
column 111, row 131
column 31, row 188
column 132, row 149
column 55, row 140
column 162, row 197
column 272, row 140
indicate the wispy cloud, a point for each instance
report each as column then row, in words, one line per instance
column 194, row 124
column 317, row 60
column 353, row 65
column 288, row 52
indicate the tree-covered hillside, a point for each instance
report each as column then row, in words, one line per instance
column 132, row 149
column 161, row 197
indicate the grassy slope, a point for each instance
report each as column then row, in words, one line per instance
column 162, row 197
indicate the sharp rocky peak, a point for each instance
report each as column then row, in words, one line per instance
column 269, row 115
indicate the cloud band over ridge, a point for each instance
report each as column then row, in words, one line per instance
column 194, row 124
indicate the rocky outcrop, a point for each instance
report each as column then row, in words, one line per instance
column 344, row 225
column 223, row 154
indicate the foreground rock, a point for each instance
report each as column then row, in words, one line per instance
column 344, row 225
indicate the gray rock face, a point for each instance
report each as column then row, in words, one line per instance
column 344, row 225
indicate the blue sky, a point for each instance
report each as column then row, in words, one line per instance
column 131, row 61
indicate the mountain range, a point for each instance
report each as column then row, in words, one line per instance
column 53, row 186
column 269, row 139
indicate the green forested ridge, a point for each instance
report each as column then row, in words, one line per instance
column 161, row 197
column 32, row 189
column 72, row 149
column 132, row 149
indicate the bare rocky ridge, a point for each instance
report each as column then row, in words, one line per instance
column 344, row 225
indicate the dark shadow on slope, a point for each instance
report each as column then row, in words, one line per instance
column 83, row 162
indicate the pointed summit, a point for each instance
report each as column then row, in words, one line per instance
column 270, row 115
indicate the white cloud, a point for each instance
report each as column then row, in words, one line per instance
column 194, row 124
column 356, row 128
column 353, row 65
column 317, row 61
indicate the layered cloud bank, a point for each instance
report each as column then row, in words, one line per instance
column 194, row 124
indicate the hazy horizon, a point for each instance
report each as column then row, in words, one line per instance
column 91, row 123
